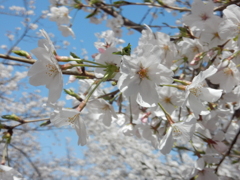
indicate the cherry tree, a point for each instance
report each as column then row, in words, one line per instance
column 165, row 109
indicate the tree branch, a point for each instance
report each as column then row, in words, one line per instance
column 229, row 150
column 32, row 61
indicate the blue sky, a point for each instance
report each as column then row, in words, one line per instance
column 85, row 38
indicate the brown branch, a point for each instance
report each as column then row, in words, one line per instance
column 29, row 160
column 32, row 61
column 221, row 8
column 126, row 3
column 114, row 13
column 229, row 150
column 109, row 94
column 19, row 59
column 21, row 122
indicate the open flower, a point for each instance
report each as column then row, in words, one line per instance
column 102, row 110
column 59, row 15
column 141, row 75
column 8, row 173
column 183, row 130
column 198, row 92
column 66, row 31
column 46, row 70
column 63, row 117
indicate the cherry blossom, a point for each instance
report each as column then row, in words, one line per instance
column 198, row 91
column 172, row 90
column 8, row 173
column 59, row 15
column 183, row 130
column 141, row 72
column 46, row 71
column 63, row 117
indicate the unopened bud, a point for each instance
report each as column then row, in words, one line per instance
column 11, row 117
column 197, row 58
column 182, row 76
column 22, row 53
column 7, row 136
column 73, row 94
column 62, row 58
column 181, row 87
column 114, row 83
column 66, row 66
column 45, row 123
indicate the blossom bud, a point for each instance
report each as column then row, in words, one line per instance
column 73, row 94
column 7, row 136
column 11, row 117
column 181, row 87
column 197, row 58
column 114, row 83
column 62, row 58
column 22, row 53
column 66, row 66
column 45, row 123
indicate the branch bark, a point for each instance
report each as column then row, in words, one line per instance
column 32, row 61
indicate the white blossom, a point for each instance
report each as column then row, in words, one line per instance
column 46, row 71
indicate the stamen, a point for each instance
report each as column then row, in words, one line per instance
column 71, row 120
column 228, row 71
column 143, row 73
column 51, row 70
column 204, row 17
column 176, row 131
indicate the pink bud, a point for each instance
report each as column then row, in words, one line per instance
column 101, row 50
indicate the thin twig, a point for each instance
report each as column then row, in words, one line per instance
column 229, row 150
column 32, row 61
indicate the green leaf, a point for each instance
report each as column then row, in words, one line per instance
column 236, row 38
column 74, row 55
column 93, row 13
column 160, row 2
column 118, row 53
column 121, row 2
column 125, row 51
column 77, row 1
column 95, row 1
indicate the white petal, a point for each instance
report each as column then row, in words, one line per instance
column 81, row 131
column 199, row 164
column 167, row 142
column 196, row 105
column 210, row 95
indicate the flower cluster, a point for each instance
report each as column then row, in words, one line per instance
column 174, row 93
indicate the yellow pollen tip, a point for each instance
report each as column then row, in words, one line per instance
column 167, row 100
column 228, row 71
column 142, row 73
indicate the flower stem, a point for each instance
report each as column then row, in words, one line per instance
column 166, row 114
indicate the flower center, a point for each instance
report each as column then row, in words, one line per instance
column 52, row 70
column 167, row 100
column 216, row 35
column 71, row 120
column 228, row 71
column 204, row 17
column 196, row 90
column 105, row 107
column 166, row 47
column 195, row 49
column 143, row 73
column 176, row 131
